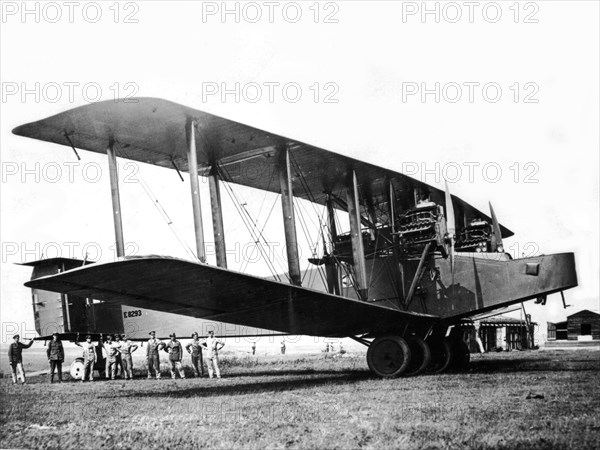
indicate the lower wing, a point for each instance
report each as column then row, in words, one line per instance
column 208, row 292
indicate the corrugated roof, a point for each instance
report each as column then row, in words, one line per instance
column 499, row 321
column 502, row 321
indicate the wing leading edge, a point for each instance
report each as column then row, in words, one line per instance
column 208, row 292
column 152, row 131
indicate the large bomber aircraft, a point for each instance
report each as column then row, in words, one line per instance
column 415, row 263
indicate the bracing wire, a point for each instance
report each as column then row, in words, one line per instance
column 160, row 208
column 251, row 225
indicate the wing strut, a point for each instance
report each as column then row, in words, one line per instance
column 289, row 222
column 116, row 200
column 192, row 158
column 418, row 275
column 358, row 250
column 331, row 266
column 217, row 217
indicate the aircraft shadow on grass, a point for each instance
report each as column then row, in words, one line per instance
column 210, row 388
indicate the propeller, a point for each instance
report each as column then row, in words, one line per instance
column 497, row 245
column 450, row 226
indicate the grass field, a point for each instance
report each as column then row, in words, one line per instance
column 319, row 401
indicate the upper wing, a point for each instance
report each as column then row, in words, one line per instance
column 198, row 290
column 154, row 131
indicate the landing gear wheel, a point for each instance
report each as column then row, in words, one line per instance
column 441, row 356
column 388, row 356
column 76, row 369
column 420, row 356
column 461, row 355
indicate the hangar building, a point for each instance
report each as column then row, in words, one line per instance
column 581, row 326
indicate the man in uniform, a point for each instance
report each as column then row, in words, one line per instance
column 89, row 357
column 119, row 358
column 195, row 349
column 112, row 350
column 127, row 348
column 283, row 346
column 175, row 351
column 56, row 356
column 154, row 345
column 16, row 359
column 212, row 346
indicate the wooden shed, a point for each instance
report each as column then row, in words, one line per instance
column 500, row 333
column 583, row 325
column 557, row 331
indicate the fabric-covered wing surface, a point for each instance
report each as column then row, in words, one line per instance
column 208, row 292
column 153, row 131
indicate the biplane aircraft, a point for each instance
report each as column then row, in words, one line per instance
column 416, row 261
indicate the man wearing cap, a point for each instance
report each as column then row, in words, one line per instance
column 127, row 348
column 112, row 350
column 154, row 345
column 195, row 349
column 16, row 360
column 56, row 356
column 212, row 346
column 89, row 357
column 175, row 351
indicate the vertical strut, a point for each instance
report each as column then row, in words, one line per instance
column 331, row 269
column 289, row 223
column 196, row 207
column 392, row 209
column 418, row 274
column 116, row 201
column 358, row 251
column 331, row 219
column 217, row 216
column 399, row 278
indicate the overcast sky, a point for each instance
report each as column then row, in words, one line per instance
column 505, row 92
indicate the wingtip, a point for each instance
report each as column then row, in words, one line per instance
column 19, row 130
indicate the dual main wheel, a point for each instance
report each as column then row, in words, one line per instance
column 393, row 356
column 448, row 354
column 388, row 356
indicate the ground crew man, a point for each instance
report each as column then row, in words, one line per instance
column 127, row 348
column 212, row 346
column 195, row 349
column 154, row 345
column 56, row 356
column 89, row 357
column 112, row 349
column 283, row 346
column 16, row 359
column 119, row 358
column 254, row 348
column 175, row 351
